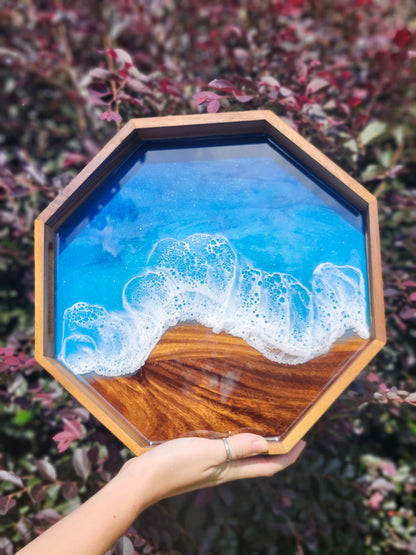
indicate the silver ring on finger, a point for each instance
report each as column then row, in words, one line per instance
column 227, row 449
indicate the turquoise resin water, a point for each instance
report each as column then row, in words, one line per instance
column 232, row 236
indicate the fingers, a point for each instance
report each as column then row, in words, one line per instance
column 245, row 445
column 253, row 467
column 283, row 461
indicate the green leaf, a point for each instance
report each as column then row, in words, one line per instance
column 373, row 130
column 370, row 172
column 385, row 157
column 399, row 133
column 351, row 145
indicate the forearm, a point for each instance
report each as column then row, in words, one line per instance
column 94, row 527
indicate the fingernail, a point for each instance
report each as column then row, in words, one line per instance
column 259, row 446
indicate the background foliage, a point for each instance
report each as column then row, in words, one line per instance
column 342, row 72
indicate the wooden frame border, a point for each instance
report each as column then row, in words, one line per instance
column 208, row 125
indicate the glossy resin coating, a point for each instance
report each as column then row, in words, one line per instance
column 205, row 275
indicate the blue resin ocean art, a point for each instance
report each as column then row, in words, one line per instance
column 230, row 234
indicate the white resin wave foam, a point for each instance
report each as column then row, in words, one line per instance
column 201, row 279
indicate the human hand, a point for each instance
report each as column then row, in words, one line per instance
column 171, row 468
column 188, row 464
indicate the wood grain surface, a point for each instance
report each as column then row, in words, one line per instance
column 196, row 382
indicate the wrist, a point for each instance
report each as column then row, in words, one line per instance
column 138, row 480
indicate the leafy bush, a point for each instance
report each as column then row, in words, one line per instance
column 342, row 73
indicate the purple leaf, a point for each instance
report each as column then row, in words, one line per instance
column 223, row 85
column 316, row 85
column 37, row 493
column 110, row 51
column 375, row 500
column 399, row 323
column 69, row 413
column 72, row 431
column 129, row 99
column 24, row 527
column 6, row 476
column 122, row 56
column 388, row 468
column 204, row 96
column 74, row 158
column 373, row 378
column 285, row 91
column 411, row 399
column 46, row 470
column 93, row 454
column 115, row 116
column 390, row 292
column 69, row 490
column 270, row 81
column 96, row 97
column 7, row 179
column 213, row 106
column 13, row 360
column 407, row 313
column 124, row 546
column 382, row 485
column 6, row 546
column 6, row 503
column 248, row 84
column 101, row 74
column 50, row 515
column 105, row 115
column 113, row 462
column 137, row 86
column 199, row 98
column 110, row 115
column 241, row 97
column 7, row 351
